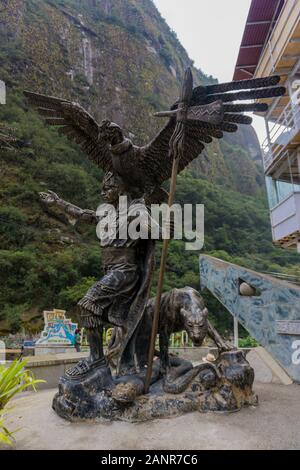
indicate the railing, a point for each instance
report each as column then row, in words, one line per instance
column 285, row 219
column 282, row 132
column 177, row 340
column 284, row 277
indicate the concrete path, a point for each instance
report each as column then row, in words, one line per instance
column 275, row 424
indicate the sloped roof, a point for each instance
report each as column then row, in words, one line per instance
column 261, row 20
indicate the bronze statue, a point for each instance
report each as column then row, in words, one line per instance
column 181, row 309
column 212, row 110
column 89, row 390
column 119, row 298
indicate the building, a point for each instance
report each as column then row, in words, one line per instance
column 271, row 46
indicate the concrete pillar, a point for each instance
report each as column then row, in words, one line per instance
column 236, row 332
column 293, row 84
column 288, row 85
column 2, row 92
column 268, row 131
column 2, row 352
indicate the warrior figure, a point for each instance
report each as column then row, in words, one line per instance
column 120, row 297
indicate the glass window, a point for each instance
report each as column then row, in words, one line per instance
column 278, row 190
column 286, row 181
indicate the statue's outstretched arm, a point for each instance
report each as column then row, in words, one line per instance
column 50, row 199
column 216, row 337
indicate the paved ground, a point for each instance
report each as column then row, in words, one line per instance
column 275, row 424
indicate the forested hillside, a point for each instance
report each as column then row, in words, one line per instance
column 120, row 60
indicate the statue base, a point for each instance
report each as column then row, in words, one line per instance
column 224, row 386
column 43, row 349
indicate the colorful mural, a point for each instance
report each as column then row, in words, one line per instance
column 58, row 329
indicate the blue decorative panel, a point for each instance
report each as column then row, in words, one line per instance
column 274, row 301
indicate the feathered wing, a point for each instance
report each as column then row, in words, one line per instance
column 76, row 123
column 155, row 156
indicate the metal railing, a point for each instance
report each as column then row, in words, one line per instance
column 177, row 340
column 282, row 132
column 294, row 279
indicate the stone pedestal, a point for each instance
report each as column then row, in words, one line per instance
column 86, row 398
column 224, row 386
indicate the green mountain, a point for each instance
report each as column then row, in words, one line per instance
column 120, row 60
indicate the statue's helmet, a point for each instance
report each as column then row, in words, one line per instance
column 111, row 180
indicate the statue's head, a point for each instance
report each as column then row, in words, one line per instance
column 112, row 188
column 111, row 132
column 195, row 316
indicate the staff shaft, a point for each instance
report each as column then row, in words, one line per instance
column 162, row 269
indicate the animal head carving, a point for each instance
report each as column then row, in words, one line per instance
column 195, row 316
column 111, row 132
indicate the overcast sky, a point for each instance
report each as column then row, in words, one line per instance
column 211, row 31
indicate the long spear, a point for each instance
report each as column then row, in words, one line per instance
column 175, row 152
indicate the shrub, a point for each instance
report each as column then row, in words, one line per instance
column 13, row 380
column 71, row 295
column 248, row 342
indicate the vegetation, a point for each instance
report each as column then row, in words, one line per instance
column 248, row 342
column 13, row 380
column 45, row 261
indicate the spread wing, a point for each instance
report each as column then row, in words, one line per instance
column 155, row 156
column 76, row 123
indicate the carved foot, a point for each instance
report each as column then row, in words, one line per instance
column 84, row 367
